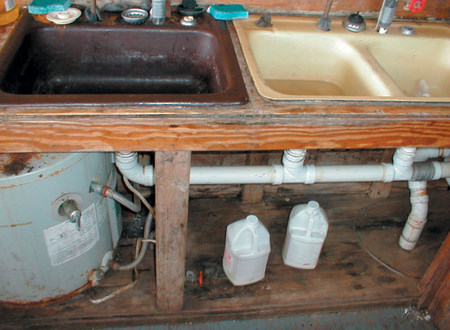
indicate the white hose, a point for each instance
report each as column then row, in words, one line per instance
column 140, row 257
column 147, row 228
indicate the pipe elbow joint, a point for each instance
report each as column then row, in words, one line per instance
column 128, row 164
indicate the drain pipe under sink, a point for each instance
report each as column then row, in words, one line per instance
column 418, row 216
column 293, row 171
column 408, row 165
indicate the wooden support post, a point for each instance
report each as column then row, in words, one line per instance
column 172, row 170
column 435, row 287
column 254, row 193
column 382, row 189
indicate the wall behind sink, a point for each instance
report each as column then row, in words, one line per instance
column 439, row 9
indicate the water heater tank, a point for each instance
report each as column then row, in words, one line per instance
column 54, row 232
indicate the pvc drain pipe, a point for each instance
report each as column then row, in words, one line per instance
column 423, row 154
column 293, row 170
column 402, row 170
column 418, row 216
column 128, row 164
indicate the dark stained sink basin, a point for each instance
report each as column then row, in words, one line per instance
column 116, row 63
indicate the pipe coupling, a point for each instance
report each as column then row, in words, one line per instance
column 294, row 158
column 279, row 174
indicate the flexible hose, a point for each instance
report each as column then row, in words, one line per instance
column 147, row 228
column 111, row 193
column 139, row 195
column 137, row 261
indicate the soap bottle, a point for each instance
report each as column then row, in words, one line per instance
column 8, row 11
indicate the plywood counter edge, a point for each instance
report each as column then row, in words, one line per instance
column 259, row 125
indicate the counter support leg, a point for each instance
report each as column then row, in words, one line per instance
column 172, row 170
column 435, row 287
column 382, row 189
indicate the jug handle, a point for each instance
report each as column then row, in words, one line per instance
column 310, row 224
column 254, row 238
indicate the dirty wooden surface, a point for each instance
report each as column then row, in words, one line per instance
column 435, row 287
column 345, row 278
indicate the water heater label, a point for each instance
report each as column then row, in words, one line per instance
column 65, row 242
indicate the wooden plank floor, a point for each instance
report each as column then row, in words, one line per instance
column 346, row 276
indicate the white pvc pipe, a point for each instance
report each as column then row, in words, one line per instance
column 423, row 154
column 445, row 168
column 234, row 174
column 418, row 216
column 402, row 162
column 292, row 171
column 447, row 159
column 354, row 173
column 128, row 164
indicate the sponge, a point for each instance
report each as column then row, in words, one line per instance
column 227, row 12
column 46, row 6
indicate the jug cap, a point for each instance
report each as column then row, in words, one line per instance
column 313, row 206
column 252, row 221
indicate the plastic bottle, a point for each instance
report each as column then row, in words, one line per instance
column 247, row 250
column 306, row 233
column 8, row 11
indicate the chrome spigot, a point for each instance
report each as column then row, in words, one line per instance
column 386, row 15
column 324, row 21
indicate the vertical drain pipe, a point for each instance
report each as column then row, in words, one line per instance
column 418, row 216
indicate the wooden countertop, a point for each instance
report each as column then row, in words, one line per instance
column 259, row 125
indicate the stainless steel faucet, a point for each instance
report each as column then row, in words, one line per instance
column 324, row 21
column 386, row 15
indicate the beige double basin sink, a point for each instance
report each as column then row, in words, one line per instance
column 294, row 60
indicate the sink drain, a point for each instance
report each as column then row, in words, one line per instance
column 134, row 15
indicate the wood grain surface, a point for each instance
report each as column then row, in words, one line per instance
column 259, row 125
column 172, row 197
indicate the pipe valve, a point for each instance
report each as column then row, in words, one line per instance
column 70, row 209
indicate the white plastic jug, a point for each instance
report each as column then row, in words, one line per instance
column 306, row 233
column 247, row 250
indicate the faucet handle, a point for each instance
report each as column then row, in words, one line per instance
column 416, row 5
